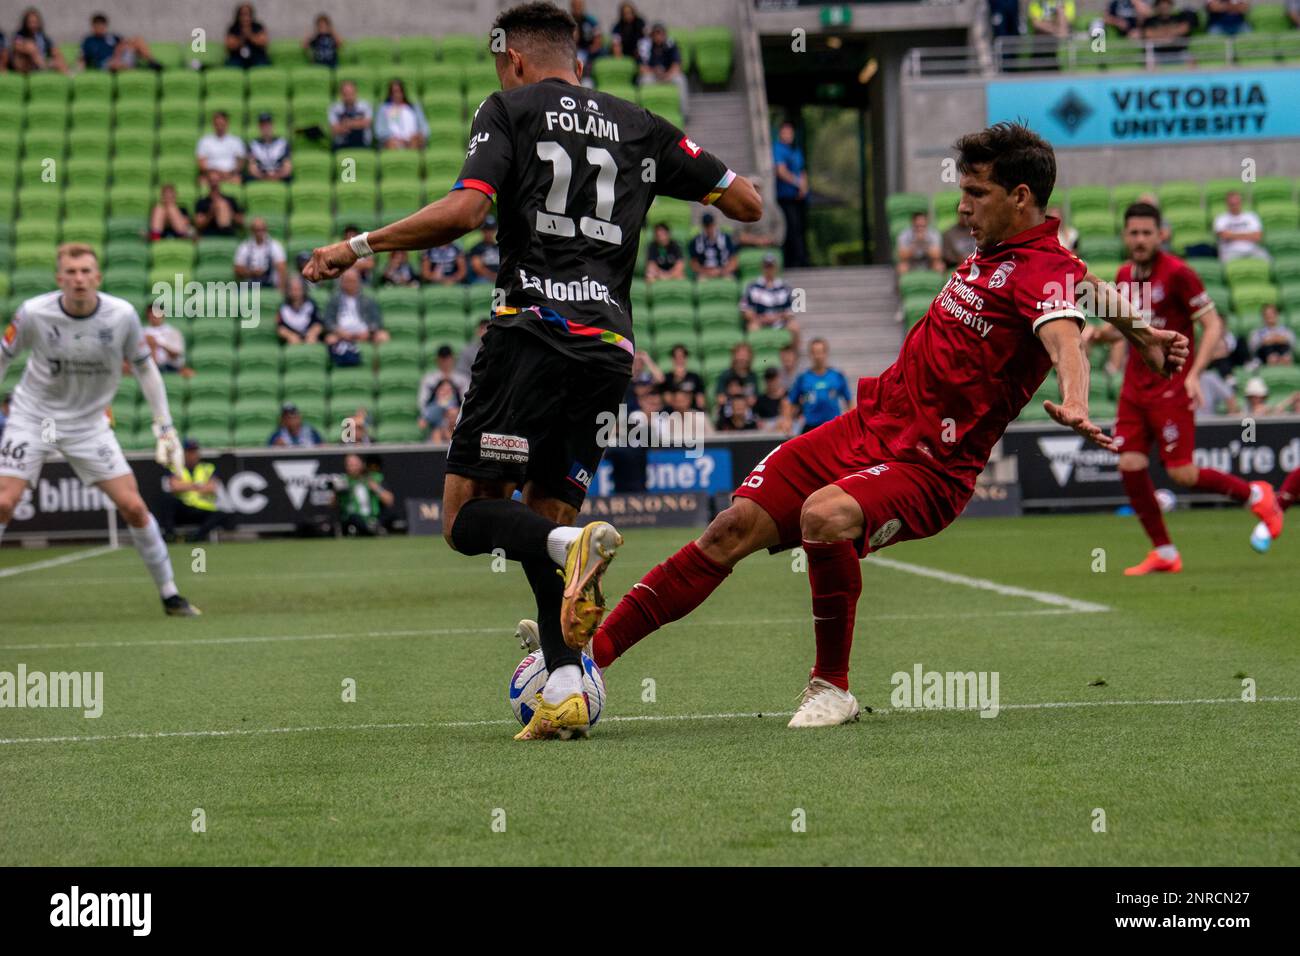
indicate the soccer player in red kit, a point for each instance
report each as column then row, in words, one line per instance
column 1157, row 410
column 1261, row 539
column 902, row 464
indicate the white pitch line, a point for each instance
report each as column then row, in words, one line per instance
column 55, row 562
column 445, row 631
column 165, row 734
column 1045, row 597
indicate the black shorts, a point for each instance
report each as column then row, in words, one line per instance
column 532, row 413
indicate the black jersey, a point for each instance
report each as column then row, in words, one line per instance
column 574, row 171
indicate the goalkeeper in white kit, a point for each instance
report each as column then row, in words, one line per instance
column 79, row 338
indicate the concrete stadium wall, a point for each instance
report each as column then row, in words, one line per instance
column 68, row 20
column 936, row 111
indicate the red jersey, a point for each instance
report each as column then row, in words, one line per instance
column 972, row 363
column 1176, row 299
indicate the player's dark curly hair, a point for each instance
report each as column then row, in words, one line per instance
column 540, row 26
column 1142, row 210
column 1015, row 154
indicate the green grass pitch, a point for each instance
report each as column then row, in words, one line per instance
column 420, row 769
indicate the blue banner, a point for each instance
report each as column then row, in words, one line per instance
column 671, row 469
column 1152, row 108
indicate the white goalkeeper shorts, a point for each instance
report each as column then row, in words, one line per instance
column 93, row 452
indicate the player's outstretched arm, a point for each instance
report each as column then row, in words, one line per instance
column 1161, row 351
column 168, row 451
column 741, row 201
column 437, row 224
column 1064, row 343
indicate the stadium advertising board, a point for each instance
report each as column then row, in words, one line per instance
column 1059, row 469
column 1145, row 109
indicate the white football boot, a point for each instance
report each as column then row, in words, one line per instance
column 530, row 639
column 824, row 705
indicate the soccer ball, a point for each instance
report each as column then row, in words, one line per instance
column 1165, row 498
column 530, row 677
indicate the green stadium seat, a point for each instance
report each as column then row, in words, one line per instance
column 135, row 85
column 711, row 48
column 461, row 49
column 378, row 52
column 1098, row 223
column 1125, row 194
column 416, row 51
column 1087, row 199
column 1270, row 188
column 904, row 205
column 47, row 87
column 1246, row 271
column 1207, row 51
column 1179, row 193
column 1281, row 214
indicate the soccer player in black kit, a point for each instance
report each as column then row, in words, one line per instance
column 573, row 172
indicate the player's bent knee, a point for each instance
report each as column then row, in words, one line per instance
column 1133, row 461
column 830, row 514
column 1184, row 475
column 728, row 536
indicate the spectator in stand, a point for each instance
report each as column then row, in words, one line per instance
column 444, row 370
column 398, row 271
column 958, row 244
column 591, row 43
column 365, row 267
column 627, row 32
column 1239, row 231
column 819, row 394
column 268, row 155
column 351, row 317
column 679, row 377
column 661, row 62
column 356, row 428
column 768, row 303
column 4, row 53
column 193, row 498
column 792, row 194
column 919, row 246
column 739, row 374
column 737, row 415
column 1272, row 343
column 1004, row 17
column 440, row 434
column 465, row 362
column 664, row 260
column 1218, row 385
column 32, row 49
column 1066, row 235
column 166, row 343
column 399, row 123
column 260, row 258
column 485, row 256
column 1227, row 17
column 362, row 499
column 246, row 39
column 713, row 252
column 298, row 320
column 1125, row 15
column 292, row 431
column 1256, row 393
column 323, row 43
column 1170, row 28
column 1051, row 17
column 221, row 151
column 350, row 119
column 168, row 219
column 768, row 407
column 687, row 403
column 216, row 214
column 1293, row 12
column 102, row 50
column 444, row 265
column 789, row 358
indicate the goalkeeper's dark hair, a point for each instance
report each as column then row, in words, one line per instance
column 543, row 29
column 1015, row 155
column 1142, row 210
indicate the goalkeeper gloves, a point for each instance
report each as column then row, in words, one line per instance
column 168, row 451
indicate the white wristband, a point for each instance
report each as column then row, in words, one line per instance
column 360, row 244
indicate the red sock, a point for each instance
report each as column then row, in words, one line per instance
column 668, row 592
column 1142, row 495
column 1289, row 493
column 1210, row 480
column 835, row 575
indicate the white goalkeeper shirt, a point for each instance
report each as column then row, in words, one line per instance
column 75, row 364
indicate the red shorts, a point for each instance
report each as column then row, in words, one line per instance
column 900, row 500
column 1171, row 425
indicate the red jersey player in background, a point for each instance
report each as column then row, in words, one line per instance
column 1158, row 409
column 1261, row 539
column 902, row 464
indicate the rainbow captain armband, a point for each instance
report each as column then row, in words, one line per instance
column 485, row 188
column 727, row 179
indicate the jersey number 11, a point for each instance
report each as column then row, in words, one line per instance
column 553, row 220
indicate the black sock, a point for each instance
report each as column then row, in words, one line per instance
column 485, row 524
column 548, row 588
